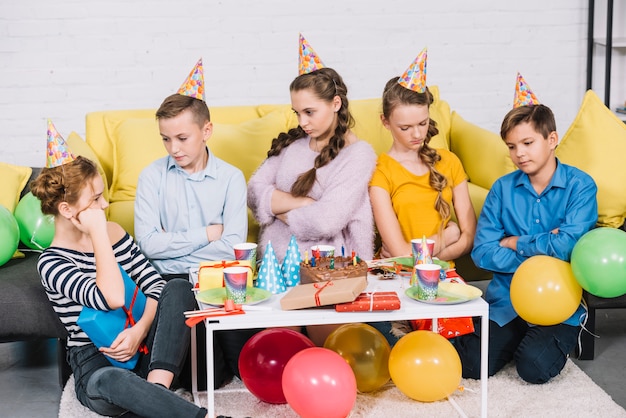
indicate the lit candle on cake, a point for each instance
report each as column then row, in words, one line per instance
column 306, row 257
column 332, row 263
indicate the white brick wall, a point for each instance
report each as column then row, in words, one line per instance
column 65, row 58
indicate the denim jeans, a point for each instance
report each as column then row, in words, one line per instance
column 114, row 391
column 540, row 352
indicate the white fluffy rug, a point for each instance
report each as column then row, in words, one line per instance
column 571, row 394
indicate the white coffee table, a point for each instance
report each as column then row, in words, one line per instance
column 274, row 316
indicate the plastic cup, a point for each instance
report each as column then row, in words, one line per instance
column 325, row 250
column 416, row 249
column 246, row 251
column 427, row 281
column 236, row 280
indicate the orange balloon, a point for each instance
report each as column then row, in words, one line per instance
column 544, row 290
column 425, row 366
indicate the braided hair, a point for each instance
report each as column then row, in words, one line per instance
column 325, row 83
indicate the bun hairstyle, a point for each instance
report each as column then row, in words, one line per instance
column 395, row 95
column 325, row 83
column 62, row 184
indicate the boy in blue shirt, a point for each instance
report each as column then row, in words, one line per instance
column 541, row 209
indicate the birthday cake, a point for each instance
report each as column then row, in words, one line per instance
column 343, row 268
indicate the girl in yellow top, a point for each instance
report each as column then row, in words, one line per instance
column 415, row 188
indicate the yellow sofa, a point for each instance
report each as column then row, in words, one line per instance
column 126, row 141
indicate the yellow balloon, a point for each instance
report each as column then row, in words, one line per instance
column 425, row 366
column 367, row 352
column 544, row 290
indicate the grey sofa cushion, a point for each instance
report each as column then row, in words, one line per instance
column 25, row 311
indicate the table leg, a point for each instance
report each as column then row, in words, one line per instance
column 194, row 367
column 484, row 362
column 209, row 372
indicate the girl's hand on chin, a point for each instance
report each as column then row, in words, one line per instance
column 89, row 220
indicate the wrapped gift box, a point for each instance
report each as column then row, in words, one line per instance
column 211, row 273
column 323, row 293
column 102, row 327
column 371, row 301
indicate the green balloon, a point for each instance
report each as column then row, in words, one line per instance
column 10, row 234
column 36, row 229
column 599, row 262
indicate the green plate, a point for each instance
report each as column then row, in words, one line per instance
column 217, row 296
column 448, row 293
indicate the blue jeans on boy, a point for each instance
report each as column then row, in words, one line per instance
column 113, row 391
column 540, row 352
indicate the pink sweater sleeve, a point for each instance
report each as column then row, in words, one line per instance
column 344, row 198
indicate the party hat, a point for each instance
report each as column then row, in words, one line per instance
column 270, row 278
column 524, row 96
column 414, row 78
column 291, row 264
column 57, row 151
column 309, row 60
column 194, row 84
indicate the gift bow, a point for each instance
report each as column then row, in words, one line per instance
column 130, row 321
column 321, row 287
column 230, row 308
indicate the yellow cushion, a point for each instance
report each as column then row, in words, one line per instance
column 596, row 143
column 136, row 144
column 79, row 147
column 14, row 178
column 123, row 213
column 484, row 155
column 245, row 144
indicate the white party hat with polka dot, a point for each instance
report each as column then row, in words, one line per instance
column 270, row 278
column 291, row 263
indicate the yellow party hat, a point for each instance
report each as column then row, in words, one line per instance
column 524, row 96
column 309, row 60
column 194, row 84
column 57, row 151
column 414, row 78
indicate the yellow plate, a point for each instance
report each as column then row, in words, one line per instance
column 448, row 293
column 217, row 296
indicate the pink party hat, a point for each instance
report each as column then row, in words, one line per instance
column 309, row 60
column 414, row 78
column 291, row 263
column 270, row 277
column 524, row 96
column 194, row 84
column 57, row 151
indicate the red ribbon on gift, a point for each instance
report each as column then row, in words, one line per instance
column 222, row 265
column 321, row 287
column 130, row 321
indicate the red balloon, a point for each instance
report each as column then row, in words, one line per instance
column 263, row 358
column 319, row 383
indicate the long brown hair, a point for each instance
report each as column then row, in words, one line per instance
column 325, row 83
column 396, row 95
column 62, row 184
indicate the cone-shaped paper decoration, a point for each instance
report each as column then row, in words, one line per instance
column 194, row 84
column 524, row 96
column 57, row 151
column 309, row 60
column 291, row 263
column 414, row 78
column 270, row 277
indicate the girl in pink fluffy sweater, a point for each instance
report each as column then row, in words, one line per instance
column 314, row 182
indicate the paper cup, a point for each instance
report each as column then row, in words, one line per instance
column 246, row 251
column 427, row 281
column 416, row 249
column 325, row 250
column 236, row 280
